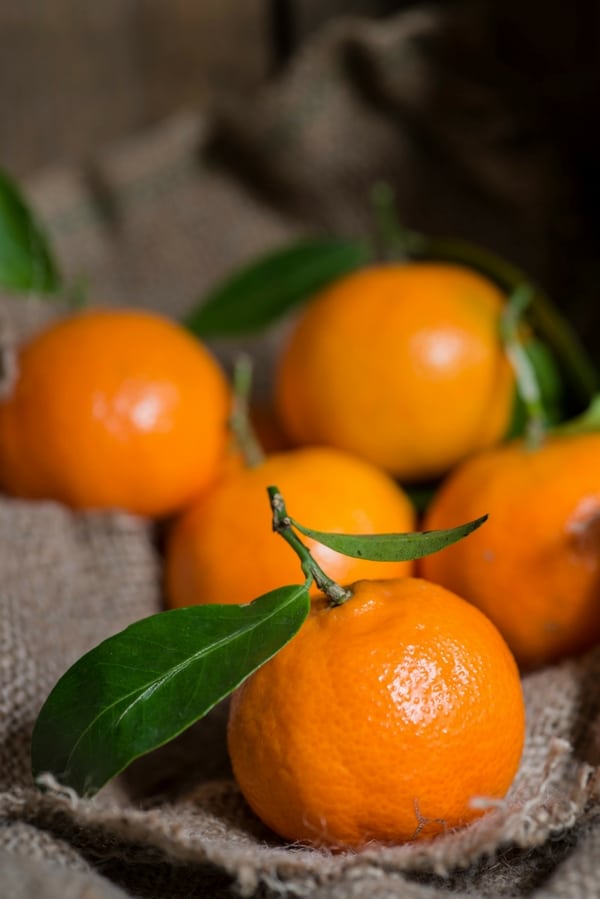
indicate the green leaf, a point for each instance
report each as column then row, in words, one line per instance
column 586, row 423
column 545, row 366
column 26, row 262
column 421, row 494
column 528, row 385
column 143, row 686
column 257, row 295
column 546, row 369
column 391, row 547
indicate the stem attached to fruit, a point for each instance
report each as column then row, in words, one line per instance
column 282, row 525
column 525, row 374
column 394, row 241
column 239, row 421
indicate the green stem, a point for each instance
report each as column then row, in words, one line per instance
column 282, row 525
column 239, row 420
column 394, row 241
column 76, row 294
column 524, row 371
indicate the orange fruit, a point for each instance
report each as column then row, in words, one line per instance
column 380, row 720
column 114, row 408
column 402, row 365
column 534, row 567
column 219, row 550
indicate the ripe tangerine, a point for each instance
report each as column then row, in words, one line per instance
column 534, row 568
column 380, row 720
column 402, row 365
column 114, row 408
column 219, row 550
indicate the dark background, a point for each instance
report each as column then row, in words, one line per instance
column 75, row 73
column 77, row 76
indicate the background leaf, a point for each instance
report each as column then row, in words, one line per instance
column 391, row 547
column 26, row 262
column 143, row 686
column 586, row 423
column 257, row 295
column 547, row 373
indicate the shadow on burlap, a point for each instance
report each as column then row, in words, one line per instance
column 152, row 223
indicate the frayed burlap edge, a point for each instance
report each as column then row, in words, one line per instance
column 214, row 826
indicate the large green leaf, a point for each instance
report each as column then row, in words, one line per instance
column 257, row 295
column 26, row 262
column 391, row 547
column 143, row 686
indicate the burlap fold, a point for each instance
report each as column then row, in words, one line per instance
column 552, row 805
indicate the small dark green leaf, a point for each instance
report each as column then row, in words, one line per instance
column 526, row 375
column 26, row 262
column 586, row 423
column 142, row 687
column 546, row 370
column 391, row 547
column 260, row 293
column 421, row 494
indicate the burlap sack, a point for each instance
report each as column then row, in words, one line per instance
column 421, row 100
column 160, row 220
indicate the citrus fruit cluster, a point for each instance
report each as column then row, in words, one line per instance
column 392, row 711
column 392, row 373
column 405, row 366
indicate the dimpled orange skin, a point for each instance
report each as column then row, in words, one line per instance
column 380, row 720
column 400, row 364
column 534, row 567
column 222, row 549
column 117, row 408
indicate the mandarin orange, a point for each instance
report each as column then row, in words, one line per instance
column 114, row 408
column 383, row 719
column 219, row 550
column 402, row 365
column 534, row 568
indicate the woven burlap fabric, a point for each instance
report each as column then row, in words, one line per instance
column 152, row 223
column 419, row 100
column 549, row 818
